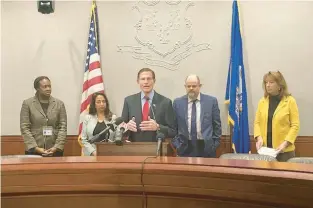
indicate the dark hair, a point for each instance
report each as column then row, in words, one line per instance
column 37, row 81
column 92, row 108
column 146, row 70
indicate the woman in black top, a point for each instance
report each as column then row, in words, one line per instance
column 98, row 119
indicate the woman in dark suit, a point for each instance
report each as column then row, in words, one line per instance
column 97, row 120
column 43, row 121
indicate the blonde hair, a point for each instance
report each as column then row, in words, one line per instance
column 279, row 79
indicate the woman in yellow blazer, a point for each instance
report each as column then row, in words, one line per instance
column 276, row 122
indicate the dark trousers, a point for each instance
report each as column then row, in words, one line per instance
column 56, row 154
column 283, row 157
column 195, row 149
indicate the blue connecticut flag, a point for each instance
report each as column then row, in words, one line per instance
column 236, row 93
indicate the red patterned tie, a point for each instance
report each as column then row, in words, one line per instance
column 145, row 110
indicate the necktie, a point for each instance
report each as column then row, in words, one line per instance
column 193, row 129
column 145, row 110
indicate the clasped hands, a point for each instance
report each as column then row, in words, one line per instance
column 279, row 149
column 149, row 125
column 48, row 152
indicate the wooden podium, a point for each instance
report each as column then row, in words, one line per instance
column 133, row 149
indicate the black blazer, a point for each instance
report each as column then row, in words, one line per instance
column 163, row 112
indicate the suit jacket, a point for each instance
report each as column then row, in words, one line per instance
column 89, row 125
column 33, row 118
column 285, row 122
column 163, row 112
column 210, row 124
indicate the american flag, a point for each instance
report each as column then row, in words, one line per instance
column 93, row 81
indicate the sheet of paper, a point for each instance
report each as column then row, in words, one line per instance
column 267, row 151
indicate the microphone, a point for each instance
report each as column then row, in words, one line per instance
column 151, row 107
column 98, row 138
column 112, row 126
column 160, row 136
column 119, row 136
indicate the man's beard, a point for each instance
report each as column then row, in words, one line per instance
column 192, row 95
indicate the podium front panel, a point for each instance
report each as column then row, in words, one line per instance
column 133, row 149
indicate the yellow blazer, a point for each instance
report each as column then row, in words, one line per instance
column 285, row 122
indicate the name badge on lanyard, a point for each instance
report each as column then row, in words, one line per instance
column 47, row 131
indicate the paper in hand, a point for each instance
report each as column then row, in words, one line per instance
column 267, row 151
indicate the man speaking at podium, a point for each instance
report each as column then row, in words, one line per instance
column 147, row 111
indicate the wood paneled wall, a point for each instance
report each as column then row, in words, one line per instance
column 13, row 145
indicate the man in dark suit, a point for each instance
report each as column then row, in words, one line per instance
column 198, row 122
column 147, row 111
